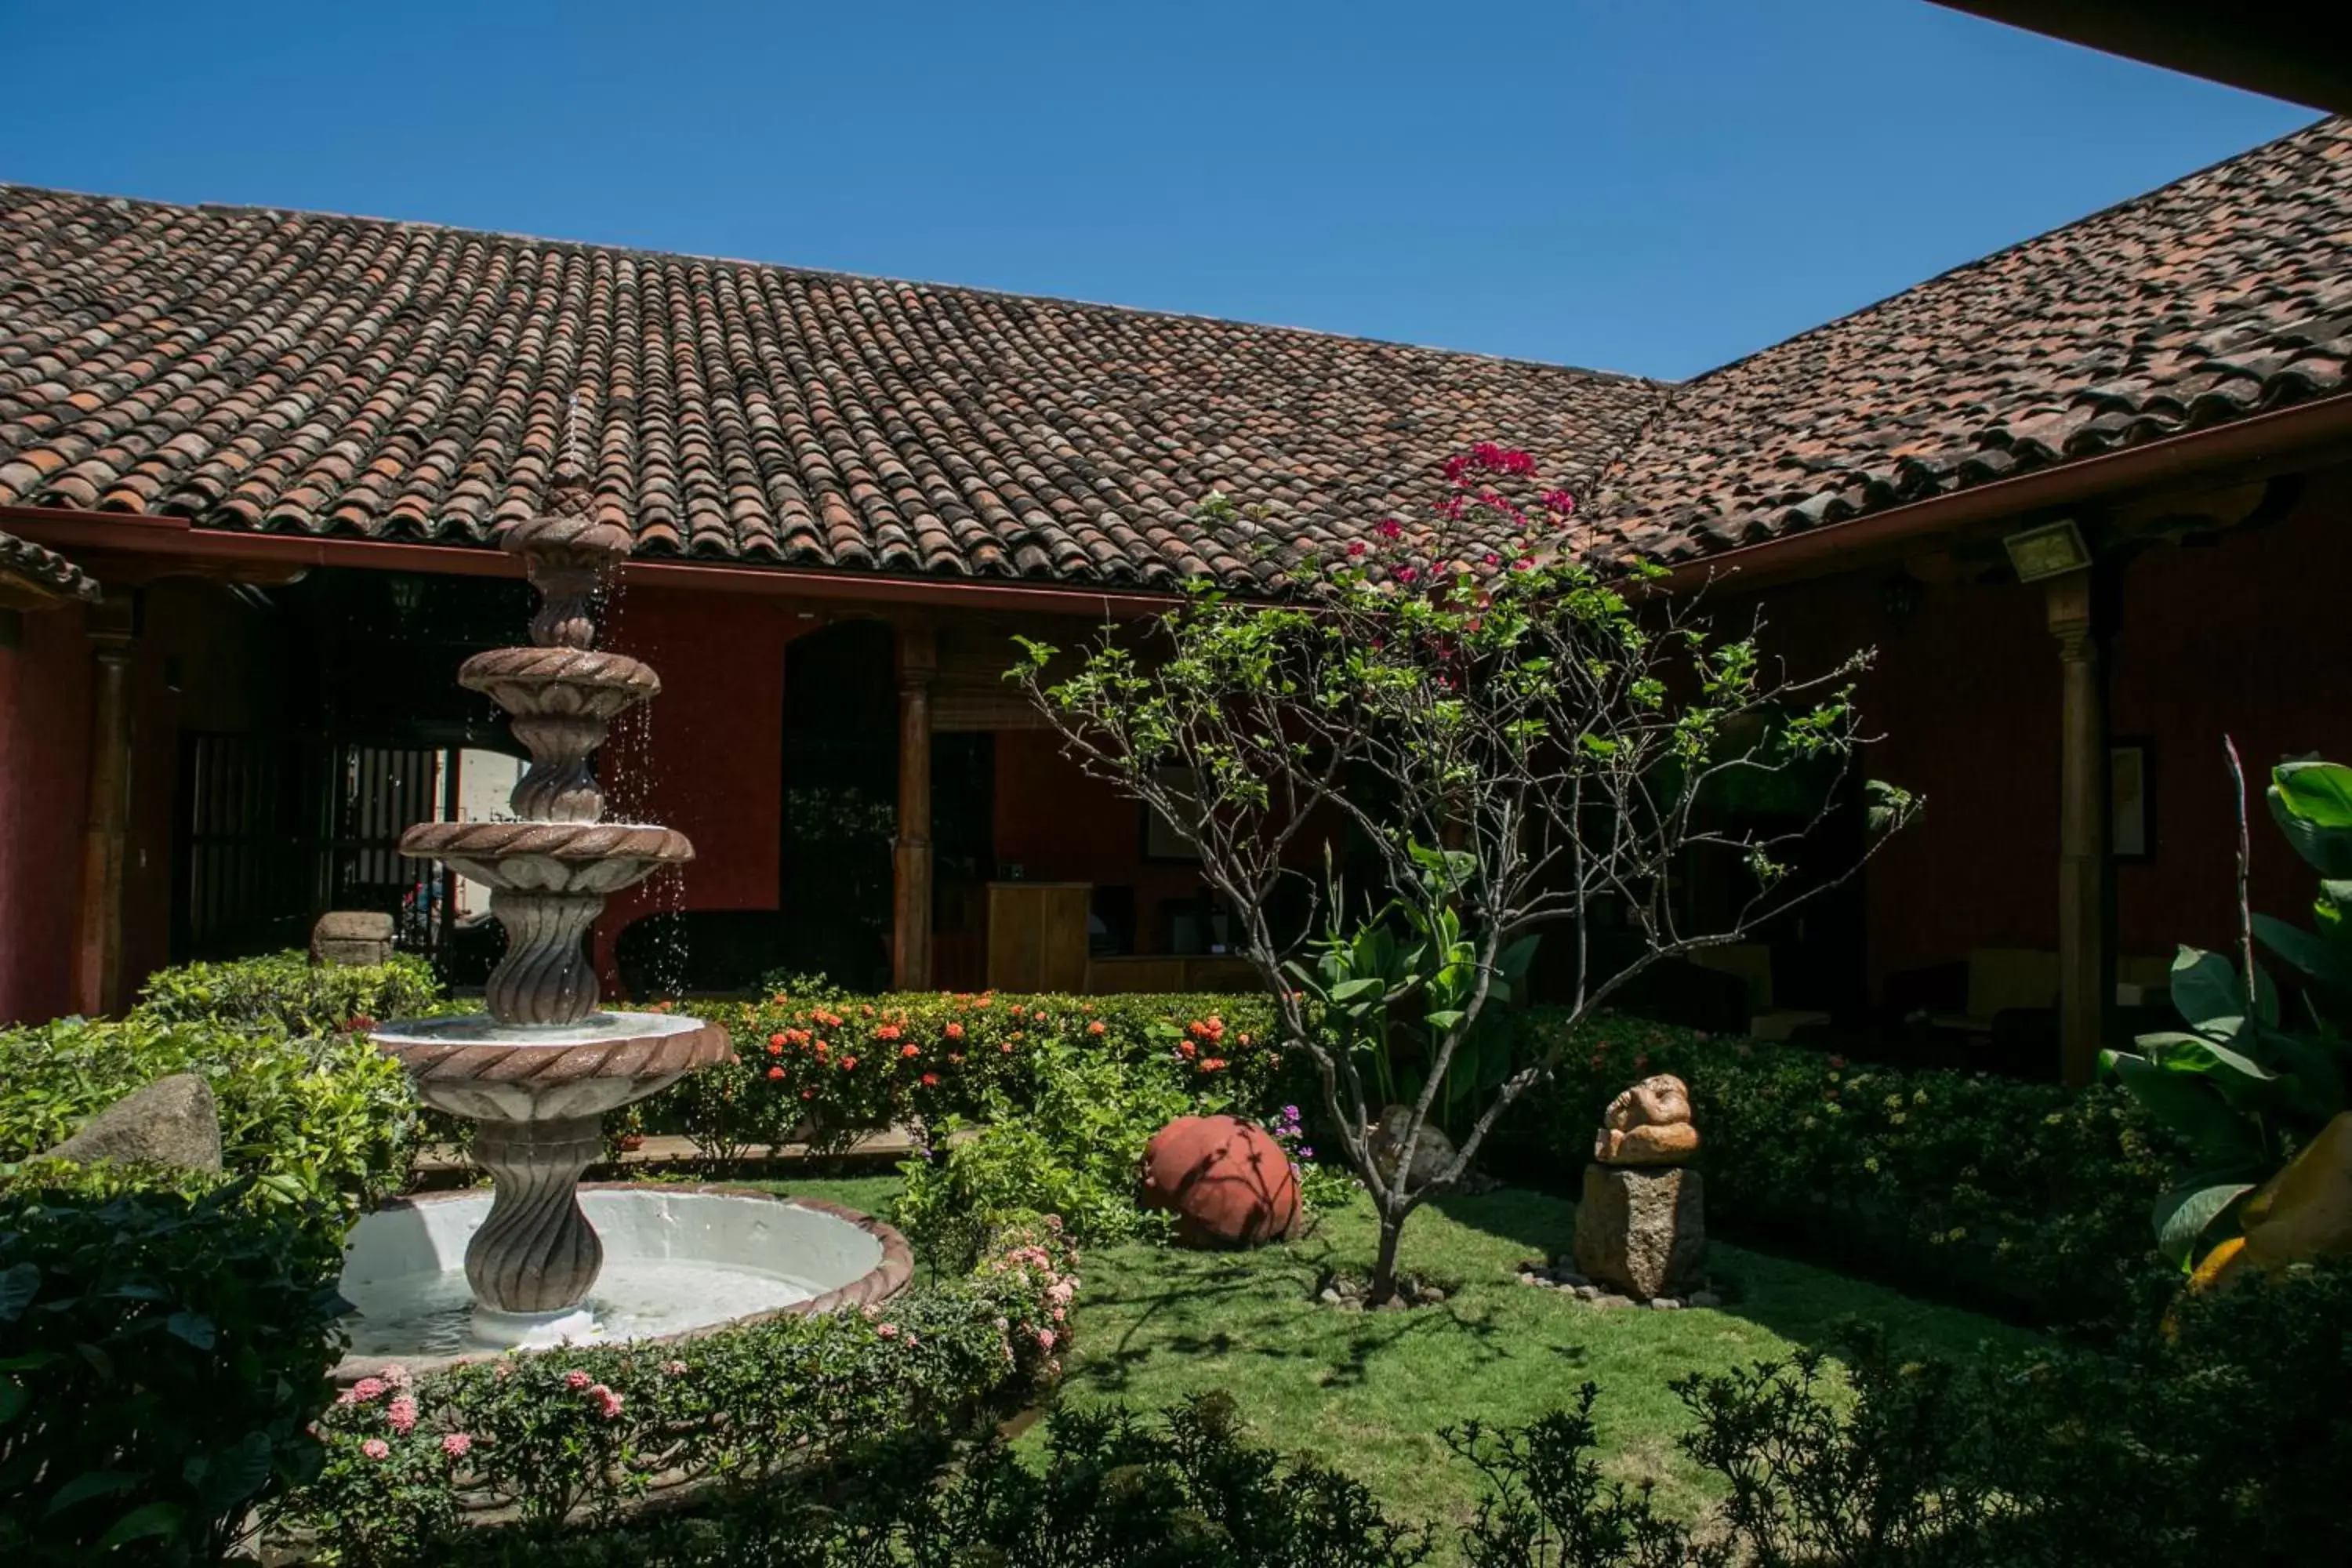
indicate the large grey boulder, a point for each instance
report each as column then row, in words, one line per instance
column 1643, row 1230
column 351, row 937
column 1433, row 1151
column 172, row 1121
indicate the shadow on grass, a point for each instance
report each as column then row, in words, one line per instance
column 1543, row 1223
column 1264, row 1308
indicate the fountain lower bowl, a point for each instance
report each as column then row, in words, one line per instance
column 679, row 1261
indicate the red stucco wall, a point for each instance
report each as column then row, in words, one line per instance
column 705, row 757
column 44, row 752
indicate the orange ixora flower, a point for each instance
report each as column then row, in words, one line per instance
column 954, row 1031
column 1095, row 1027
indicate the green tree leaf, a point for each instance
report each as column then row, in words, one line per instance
column 2191, row 1106
column 2183, row 1214
column 18, row 1285
column 2312, row 803
column 192, row 1327
column 89, row 1484
column 153, row 1519
column 2307, row 954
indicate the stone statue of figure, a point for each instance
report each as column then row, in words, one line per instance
column 1649, row 1124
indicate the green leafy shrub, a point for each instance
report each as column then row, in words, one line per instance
column 2026, row 1198
column 574, row 1436
column 162, row 1357
column 1073, row 1149
column 283, row 990
column 331, row 1118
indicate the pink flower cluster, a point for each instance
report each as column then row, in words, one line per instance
column 401, row 1412
column 608, row 1403
column 1054, row 1286
column 1487, row 458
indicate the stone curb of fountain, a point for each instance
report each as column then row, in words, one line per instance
column 881, row 1282
column 671, row 1149
column 1561, row 1275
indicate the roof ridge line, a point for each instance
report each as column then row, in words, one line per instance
column 285, row 212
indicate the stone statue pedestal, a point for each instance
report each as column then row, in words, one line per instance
column 1642, row 1230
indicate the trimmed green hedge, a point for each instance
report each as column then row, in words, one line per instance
column 2029, row 1199
column 283, row 990
column 331, row 1118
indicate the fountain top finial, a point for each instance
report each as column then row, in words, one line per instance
column 567, row 554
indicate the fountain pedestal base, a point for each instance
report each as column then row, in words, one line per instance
column 536, row 1255
column 532, row 1330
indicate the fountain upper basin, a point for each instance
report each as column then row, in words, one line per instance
column 476, row 1066
column 677, row 1260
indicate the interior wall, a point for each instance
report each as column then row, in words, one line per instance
column 2237, row 636
column 1059, row 826
column 43, row 763
column 2244, row 638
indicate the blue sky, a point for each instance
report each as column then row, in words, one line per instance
column 1654, row 187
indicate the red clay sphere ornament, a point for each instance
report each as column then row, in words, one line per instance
column 1228, row 1181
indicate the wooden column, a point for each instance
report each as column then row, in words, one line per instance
column 2085, row 966
column 97, row 965
column 910, row 952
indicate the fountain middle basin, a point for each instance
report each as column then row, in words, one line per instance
column 677, row 1261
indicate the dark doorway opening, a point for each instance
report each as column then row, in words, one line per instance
column 840, row 805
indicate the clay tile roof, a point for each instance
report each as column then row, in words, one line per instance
column 2222, row 295
column 286, row 371
column 305, row 373
column 52, row 573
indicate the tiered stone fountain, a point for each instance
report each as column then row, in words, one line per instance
column 540, row 1069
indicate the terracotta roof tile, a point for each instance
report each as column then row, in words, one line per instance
column 45, row 569
column 300, row 372
column 2222, row 295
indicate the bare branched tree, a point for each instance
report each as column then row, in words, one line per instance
column 1508, row 740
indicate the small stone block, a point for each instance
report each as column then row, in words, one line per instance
column 1642, row 1231
column 351, row 937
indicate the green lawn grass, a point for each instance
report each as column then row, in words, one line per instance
column 1368, row 1392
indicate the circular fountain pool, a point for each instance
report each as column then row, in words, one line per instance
column 677, row 1260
